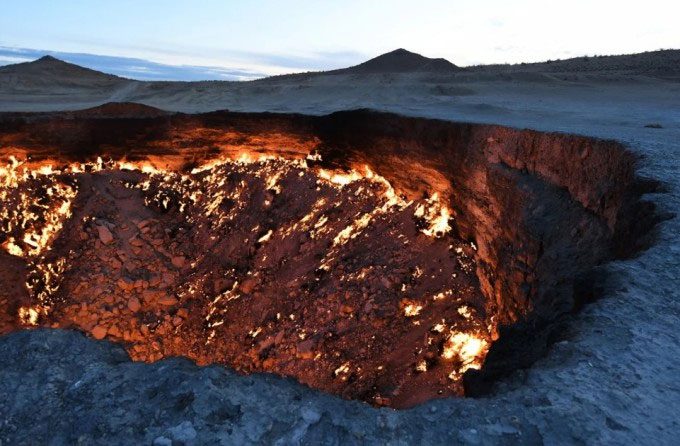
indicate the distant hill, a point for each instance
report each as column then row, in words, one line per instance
column 400, row 61
column 49, row 71
column 48, row 84
column 661, row 63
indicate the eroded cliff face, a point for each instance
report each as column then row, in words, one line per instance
column 374, row 256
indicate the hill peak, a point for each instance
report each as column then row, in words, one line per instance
column 401, row 51
column 402, row 61
column 48, row 58
column 51, row 61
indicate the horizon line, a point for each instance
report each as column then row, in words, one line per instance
column 140, row 69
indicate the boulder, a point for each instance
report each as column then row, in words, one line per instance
column 104, row 234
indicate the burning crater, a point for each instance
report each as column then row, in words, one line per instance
column 377, row 257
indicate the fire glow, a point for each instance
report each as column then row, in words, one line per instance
column 371, row 256
column 212, row 196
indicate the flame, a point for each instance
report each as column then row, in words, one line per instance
column 469, row 349
column 343, row 369
column 465, row 312
column 46, row 170
column 29, row 315
column 12, row 248
column 436, row 214
column 353, row 230
column 240, row 158
column 265, row 237
column 314, row 157
column 36, row 221
column 412, row 310
column 143, row 167
column 339, row 178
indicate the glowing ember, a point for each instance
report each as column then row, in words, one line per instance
column 265, row 237
column 344, row 368
column 465, row 312
column 412, row 310
column 29, row 316
column 436, row 215
column 467, row 348
column 338, row 178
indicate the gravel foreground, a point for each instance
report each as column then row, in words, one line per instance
column 62, row 388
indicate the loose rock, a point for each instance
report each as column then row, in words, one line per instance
column 104, row 234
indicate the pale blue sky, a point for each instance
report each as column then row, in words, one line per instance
column 279, row 36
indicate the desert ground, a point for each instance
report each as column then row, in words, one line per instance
column 610, row 379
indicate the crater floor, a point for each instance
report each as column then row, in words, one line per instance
column 262, row 265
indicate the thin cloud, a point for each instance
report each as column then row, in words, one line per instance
column 142, row 69
column 133, row 68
